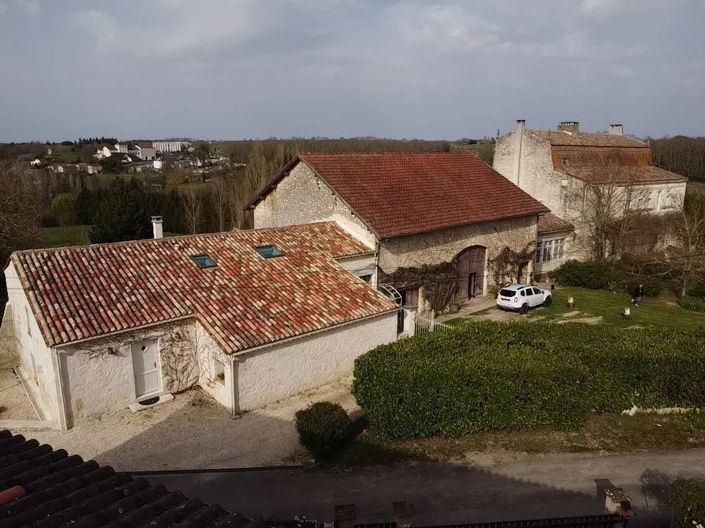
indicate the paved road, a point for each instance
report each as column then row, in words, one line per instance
column 540, row 486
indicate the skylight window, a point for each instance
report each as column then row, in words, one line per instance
column 269, row 251
column 203, row 261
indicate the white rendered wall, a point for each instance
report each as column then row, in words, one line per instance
column 276, row 372
column 36, row 358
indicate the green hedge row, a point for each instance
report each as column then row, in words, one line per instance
column 687, row 499
column 694, row 304
column 494, row 376
column 604, row 275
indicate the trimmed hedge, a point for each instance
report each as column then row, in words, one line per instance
column 323, row 428
column 492, row 376
column 687, row 499
column 603, row 275
column 694, row 304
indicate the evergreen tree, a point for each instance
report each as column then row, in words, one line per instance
column 121, row 215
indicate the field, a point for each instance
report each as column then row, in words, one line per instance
column 74, row 235
column 696, row 187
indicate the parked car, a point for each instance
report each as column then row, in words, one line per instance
column 522, row 297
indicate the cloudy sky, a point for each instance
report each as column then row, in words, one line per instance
column 259, row 68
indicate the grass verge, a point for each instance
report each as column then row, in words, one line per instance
column 601, row 433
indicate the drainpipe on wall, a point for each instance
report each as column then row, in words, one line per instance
column 518, row 140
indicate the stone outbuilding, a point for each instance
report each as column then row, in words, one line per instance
column 575, row 173
column 440, row 222
column 250, row 316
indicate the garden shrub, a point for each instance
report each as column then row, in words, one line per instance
column 323, row 428
column 692, row 303
column 597, row 275
column 493, row 376
column 604, row 275
column 686, row 497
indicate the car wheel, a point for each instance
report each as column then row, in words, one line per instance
column 548, row 301
column 524, row 309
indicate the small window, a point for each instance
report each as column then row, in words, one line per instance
column 565, row 162
column 29, row 322
column 523, row 293
column 269, row 251
column 203, row 261
column 366, row 278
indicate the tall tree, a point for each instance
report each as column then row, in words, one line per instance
column 121, row 215
column 20, row 211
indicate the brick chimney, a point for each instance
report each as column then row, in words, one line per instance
column 569, row 126
column 617, row 129
column 157, row 228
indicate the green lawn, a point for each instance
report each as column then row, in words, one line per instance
column 74, row 235
column 600, row 303
column 696, row 187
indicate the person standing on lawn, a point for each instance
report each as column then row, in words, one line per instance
column 638, row 295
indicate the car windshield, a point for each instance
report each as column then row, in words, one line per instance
column 507, row 293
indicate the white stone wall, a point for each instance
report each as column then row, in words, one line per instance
column 221, row 390
column 37, row 360
column 98, row 376
column 361, row 266
column 281, row 370
column 535, row 174
column 302, row 198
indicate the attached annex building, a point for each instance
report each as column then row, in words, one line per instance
column 418, row 210
column 250, row 316
column 573, row 173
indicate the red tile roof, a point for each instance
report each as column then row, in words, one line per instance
column 550, row 223
column 401, row 194
column 624, row 175
column 89, row 291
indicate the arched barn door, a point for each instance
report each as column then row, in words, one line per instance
column 471, row 271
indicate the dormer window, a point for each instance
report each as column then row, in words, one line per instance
column 565, row 162
column 203, row 261
column 269, row 251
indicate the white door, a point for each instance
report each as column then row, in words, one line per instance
column 145, row 365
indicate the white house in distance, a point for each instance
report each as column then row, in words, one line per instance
column 250, row 316
column 561, row 167
column 433, row 217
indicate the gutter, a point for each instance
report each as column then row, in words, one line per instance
column 125, row 330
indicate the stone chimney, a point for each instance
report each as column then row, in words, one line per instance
column 157, row 228
column 519, row 131
column 617, row 129
column 569, row 126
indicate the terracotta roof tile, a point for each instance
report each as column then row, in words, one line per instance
column 550, row 223
column 245, row 301
column 401, row 194
column 587, row 139
column 40, row 486
column 623, row 175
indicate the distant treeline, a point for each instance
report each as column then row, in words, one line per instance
column 680, row 154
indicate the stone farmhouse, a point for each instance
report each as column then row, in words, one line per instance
column 438, row 223
column 570, row 171
column 250, row 316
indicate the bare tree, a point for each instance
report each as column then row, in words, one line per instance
column 180, row 180
column 605, row 210
column 20, row 210
column 686, row 259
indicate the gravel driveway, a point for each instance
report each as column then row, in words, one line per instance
column 194, row 432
